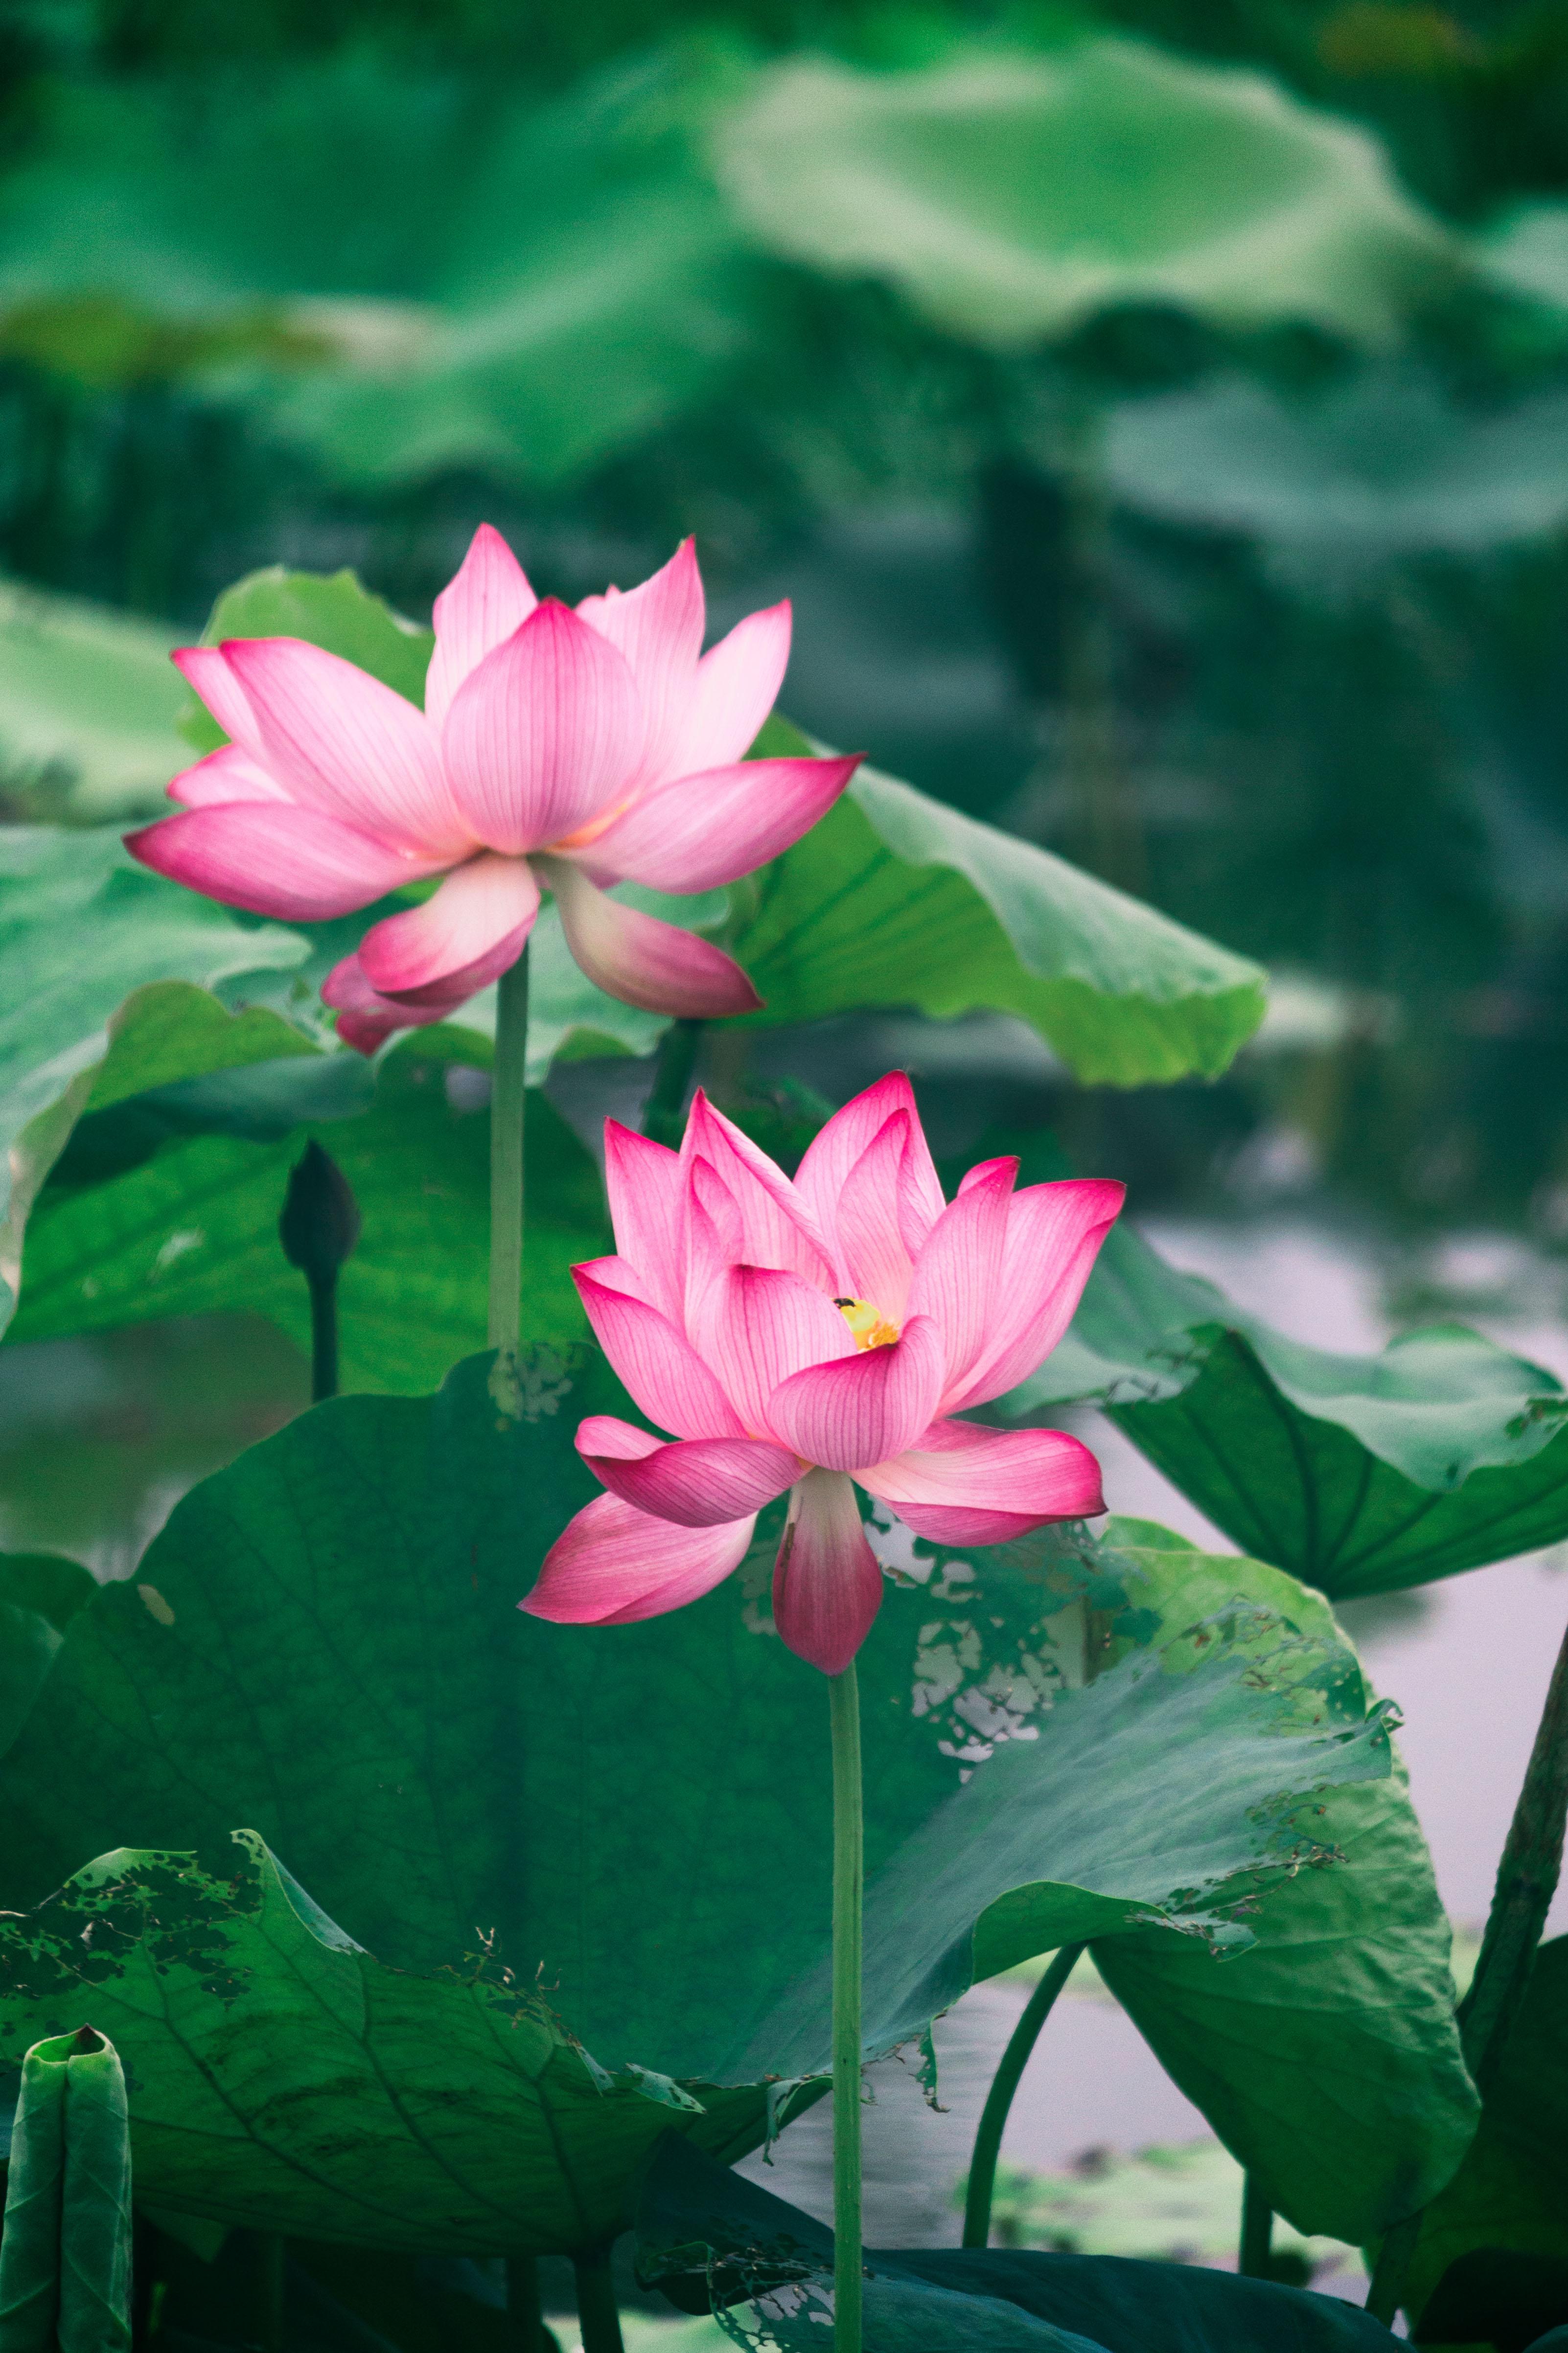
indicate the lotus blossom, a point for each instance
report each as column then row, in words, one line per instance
column 556, row 749
column 809, row 1337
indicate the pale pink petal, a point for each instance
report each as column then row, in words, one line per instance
column 206, row 670
column 958, row 1273
column 701, row 1483
column 643, row 961
column 229, row 775
column 694, row 833
column 472, row 928
column 873, row 1259
column 662, row 1371
column 486, row 599
column 367, row 1019
column 1054, row 1234
column 642, row 1180
column 347, row 743
column 777, row 1226
column 828, row 1583
column 829, row 1158
column 863, row 1408
column 712, row 1239
column 735, row 687
column 619, row 1274
column 964, row 1485
column 275, row 859
column 607, row 1433
column 756, row 1325
column 545, row 734
column 613, row 1564
column 658, row 629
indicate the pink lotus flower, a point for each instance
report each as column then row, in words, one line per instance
column 805, row 1335
column 563, row 749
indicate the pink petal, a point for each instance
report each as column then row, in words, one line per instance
column 863, row 1408
column 875, row 1261
column 735, row 687
column 658, row 629
column 777, row 1226
column 713, row 1238
column 958, row 1273
column 350, row 746
column 829, row 1158
column 756, row 1325
column 662, row 1371
column 1054, row 1234
column 644, row 1183
column 474, row 927
column 964, row 1485
column 643, row 961
column 206, row 670
column 544, row 734
column 275, row 859
column 366, row 1020
column 694, row 833
column 229, row 775
column 486, row 599
column 606, row 1433
column 701, row 1482
column 827, row 1584
column 613, row 1564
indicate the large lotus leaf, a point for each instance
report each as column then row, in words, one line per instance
column 191, row 1229
column 705, row 2233
column 897, row 899
column 893, row 900
column 323, row 1646
column 88, row 701
column 449, row 275
column 1511, row 2192
column 1384, row 467
column 1367, row 1937
column 83, row 928
column 39, row 1595
column 1013, row 196
column 1359, row 1474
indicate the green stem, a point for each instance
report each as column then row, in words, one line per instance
column 1256, row 2230
column 324, row 1338
column 597, row 2317
column 524, row 2312
column 999, row 2098
column 1527, row 1880
column 663, row 1117
column 272, row 2255
column 509, row 1092
column 848, row 1882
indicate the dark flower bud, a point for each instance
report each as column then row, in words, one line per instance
column 320, row 1219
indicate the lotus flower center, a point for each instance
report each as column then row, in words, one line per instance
column 869, row 1325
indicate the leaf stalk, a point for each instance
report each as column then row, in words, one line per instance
column 999, row 2098
column 848, row 1892
column 508, row 1098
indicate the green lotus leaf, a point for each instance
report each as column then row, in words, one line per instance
column 703, row 2232
column 88, row 703
column 1359, row 1474
column 85, row 931
column 1378, row 469
column 65, row 2252
column 1510, row 2197
column 323, row 1647
column 176, row 1195
column 39, row 1595
column 1012, row 197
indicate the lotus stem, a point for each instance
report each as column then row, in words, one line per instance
column 597, row 2317
column 509, row 1094
column 524, row 2311
column 663, row 1114
column 849, row 1890
column 1528, row 1873
column 1256, row 2230
column 999, row 2098
column 320, row 1229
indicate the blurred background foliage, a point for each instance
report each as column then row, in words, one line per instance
column 1158, row 413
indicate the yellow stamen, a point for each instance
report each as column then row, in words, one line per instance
column 870, row 1327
